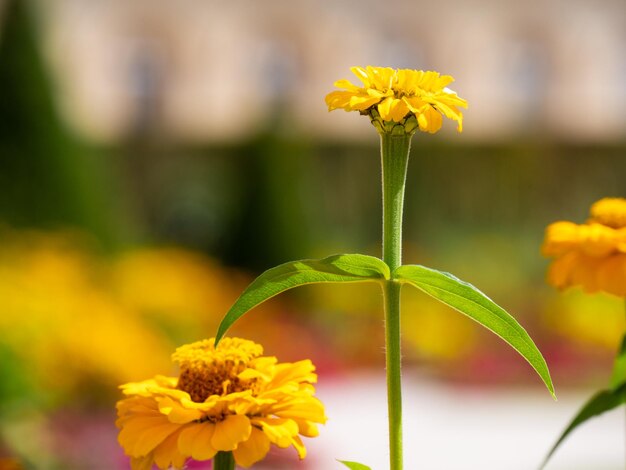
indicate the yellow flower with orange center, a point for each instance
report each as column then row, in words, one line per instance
column 414, row 98
column 227, row 398
column 591, row 255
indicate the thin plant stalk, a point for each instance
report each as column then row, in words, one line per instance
column 224, row 461
column 394, row 156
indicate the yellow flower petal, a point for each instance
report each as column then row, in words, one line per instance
column 451, row 113
column 254, row 449
column 346, row 84
column 279, row 431
column 585, row 273
column 141, row 463
column 361, row 103
column 147, row 388
column 301, row 371
column 361, row 74
column 338, row 100
column 560, row 271
column 297, row 443
column 166, row 455
column 415, row 104
column 307, row 428
column 176, row 412
column 133, row 430
column 399, row 109
column 597, row 240
column 384, row 108
column 612, row 273
column 308, row 408
column 382, row 78
column 443, row 81
column 450, row 98
column 560, row 237
column 230, row 432
column 430, row 120
column 152, row 437
column 195, row 441
column 610, row 211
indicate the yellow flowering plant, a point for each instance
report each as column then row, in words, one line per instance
column 592, row 256
column 398, row 104
column 228, row 404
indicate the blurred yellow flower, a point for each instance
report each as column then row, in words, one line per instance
column 434, row 331
column 63, row 325
column 591, row 255
column 173, row 282
column 389, row 96
column 73, row 317
column 229, row 398
column 593, row 320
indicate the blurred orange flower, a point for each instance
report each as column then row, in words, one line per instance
column 591, row 255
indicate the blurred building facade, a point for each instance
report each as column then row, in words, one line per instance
column 208, row 70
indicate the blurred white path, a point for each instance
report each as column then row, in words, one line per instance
column 449, row 427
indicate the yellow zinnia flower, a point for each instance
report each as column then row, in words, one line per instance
column 591, row 255
column 226, row 398
column 411, row 97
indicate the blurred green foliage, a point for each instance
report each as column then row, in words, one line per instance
column 281, row 197
column 48, row 177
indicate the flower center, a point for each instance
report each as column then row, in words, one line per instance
column 610, row 212
column 207, row 371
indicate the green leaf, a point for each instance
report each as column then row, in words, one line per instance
column 336, row 268
column 468, row 300
column 618, row 377
column 354, row 465
column 599, row 403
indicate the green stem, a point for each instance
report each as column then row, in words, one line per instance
column 395, row 157
column 224, row 461
column 618, row 376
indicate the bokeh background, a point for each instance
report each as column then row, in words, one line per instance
column 155, row 156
